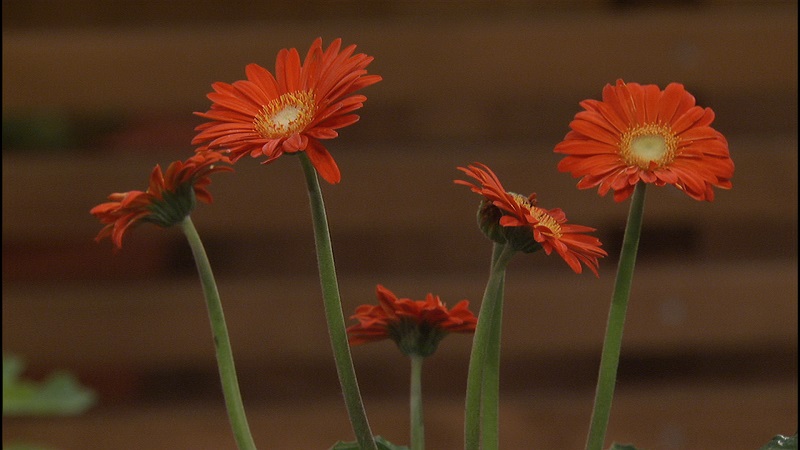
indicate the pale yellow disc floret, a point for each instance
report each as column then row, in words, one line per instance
column 286, row 115
column 541, row 215
column 649, row 145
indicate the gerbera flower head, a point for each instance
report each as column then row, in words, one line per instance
column 292, row 111
column 170, row 197
column 516, row 220
column 416, row 326
column 641, row 133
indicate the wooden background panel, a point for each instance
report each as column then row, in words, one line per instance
column 402, row 186
column 549, row 312
column 480, row 77
column 94, row 97
column 661, row 418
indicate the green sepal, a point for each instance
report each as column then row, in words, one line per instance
column 519, row 238
column 415, row 338
column 174, row 207
column 489, row 222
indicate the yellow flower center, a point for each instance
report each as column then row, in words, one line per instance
column 545, row 219
column 286, row 115
column 647, row 145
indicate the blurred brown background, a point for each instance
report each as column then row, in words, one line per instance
column 96, row 93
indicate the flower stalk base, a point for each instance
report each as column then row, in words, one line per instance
column 227, row 369
column 612, row 344
column 333, row 311
column 481, row 421
column 417, row 422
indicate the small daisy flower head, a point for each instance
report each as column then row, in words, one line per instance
column 170, row 197
column 517, row 220
column 642, row 133
column 416, row 326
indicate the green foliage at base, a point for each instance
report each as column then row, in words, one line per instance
column 616, row 446
column 780, row 442
column 58, row 395
column 382, row 444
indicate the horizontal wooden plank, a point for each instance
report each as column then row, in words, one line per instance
column 443, row 76
column 711, row 416
column 459, row 56
column 499, row 89
column 92, row 13
column 384, row 188
column 37, row 14
column 549, row 311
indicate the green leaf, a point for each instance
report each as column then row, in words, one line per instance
column 18, row 446
column 780, row 442
column 58, row 395
column 382, row 444
column 616, row 446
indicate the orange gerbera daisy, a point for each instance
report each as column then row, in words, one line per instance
column 541, row 228
column 292, row 111
column 416, row 326
column 170, row 197
column 641, row 133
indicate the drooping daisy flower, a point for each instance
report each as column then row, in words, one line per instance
column 416, row 326
column 641, row 133
column 290, row 112
column 528, row 227
column 169, row 198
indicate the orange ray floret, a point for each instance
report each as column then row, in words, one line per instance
column 169, row 198
column 641, row 133
column 549, row 228
column 292, row 111
column 416, row 326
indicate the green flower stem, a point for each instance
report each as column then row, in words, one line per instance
column 490, row 395
column 333, row 311
column 417, row 424
column 609, row 361
column 227, row 369
column 482, row 381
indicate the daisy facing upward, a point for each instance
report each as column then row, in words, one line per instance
column 292, row 111
column 641, row 133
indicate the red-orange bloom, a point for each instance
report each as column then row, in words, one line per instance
column 641, row 133
column 290, row 112
column 169, row 198
column 416, row 326
column 549, row 228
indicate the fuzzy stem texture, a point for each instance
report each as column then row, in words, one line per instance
column 227, row 369
column 333, row 311
column 490, row 394
column 612, row 344
column 481, row 418
column 417, row 423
